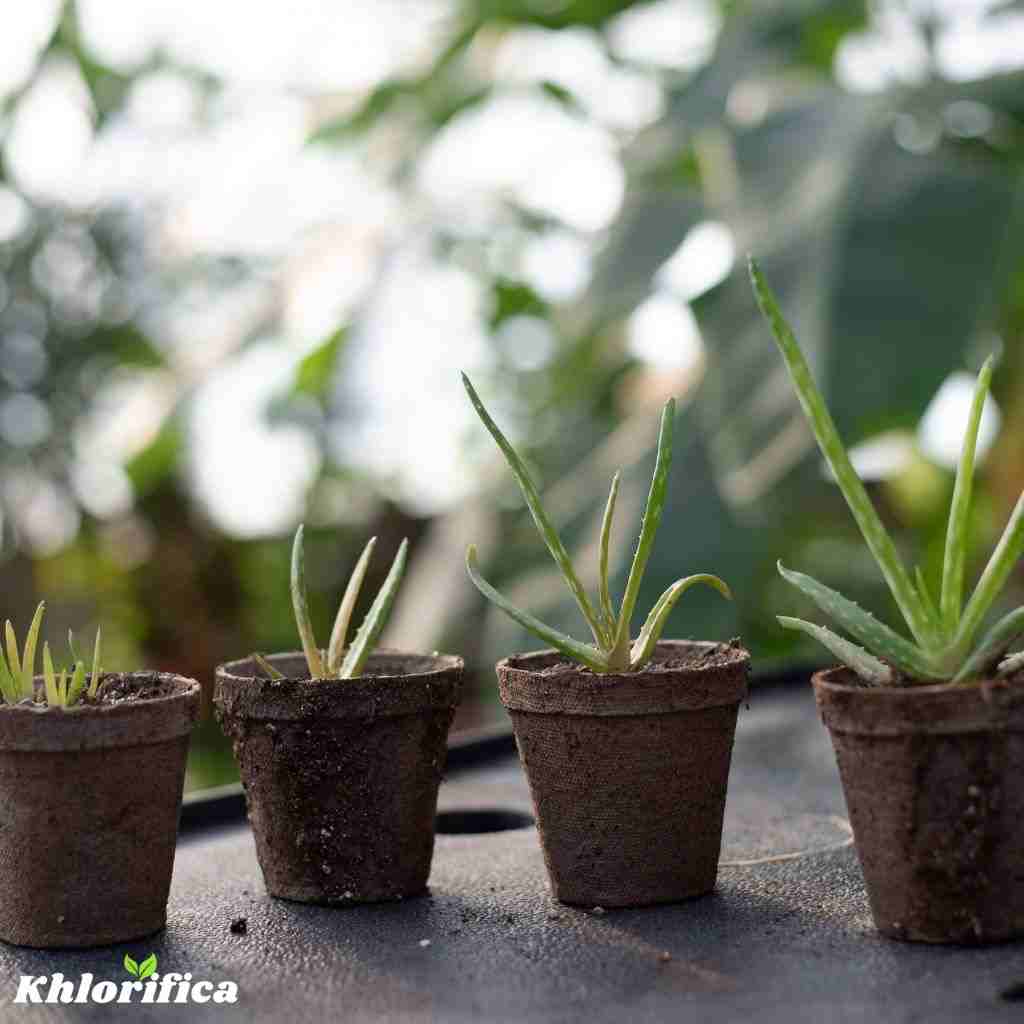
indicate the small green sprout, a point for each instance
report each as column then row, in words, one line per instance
column 65, row 688
column 945, row 645
column 339, row 661
column 613, row 649
column 62, row 688
column 17, row 674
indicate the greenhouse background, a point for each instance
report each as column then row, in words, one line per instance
column 246, row 249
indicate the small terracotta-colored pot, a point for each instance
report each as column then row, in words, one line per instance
column 628, row 772
column 932, row 778
column 89, row 804
column 341, row 775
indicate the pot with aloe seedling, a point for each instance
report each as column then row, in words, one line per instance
column 929, row 731
column 341, row 751
column 92, row 767
column 626, row 743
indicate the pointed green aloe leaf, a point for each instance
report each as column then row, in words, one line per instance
column 376, row 618
column 960, row 508
column 585, row 654
column 9, row 686
column 927, row 601
column 50, row 678
column 71, row 645
column 300, row 605
column 336, row 649
column 148, row 966
column 76, row 684
column 643, row 647
column 12, row 649
column 130, row 965
column 874, row 635
column 867, row 667
column 28, row 661
column 874, row 533
column 652, row 517
column 994, row 645
column 540, row 517
column 606, row 531
column 62, row 688
column 97, row 669
column 271, row 672
column 993, row 579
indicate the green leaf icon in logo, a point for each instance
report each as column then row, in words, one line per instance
column 130, row 965
column 148, row 966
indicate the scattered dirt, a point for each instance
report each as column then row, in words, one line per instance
column 117, row 688
column 1013, row 993
column 123, row 687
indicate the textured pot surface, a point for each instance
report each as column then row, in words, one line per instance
column 628, row 773
column 341, row 776
column 89, row 803
column 933, row 782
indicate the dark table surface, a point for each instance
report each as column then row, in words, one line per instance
column 786, row 937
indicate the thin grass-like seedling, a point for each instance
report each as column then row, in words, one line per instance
column 17, row 674
column 613, row 649
column 946, row 644
column 340, row 661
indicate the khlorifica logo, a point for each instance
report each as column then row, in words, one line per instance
column 146, row 984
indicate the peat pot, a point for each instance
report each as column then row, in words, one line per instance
column 628, row 772
column 934, row 785
column 89, row 803
column 341, row 775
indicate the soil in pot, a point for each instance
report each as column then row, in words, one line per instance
column 628, row 773
column 932, row 779
column 89, row 804
column 341, row 776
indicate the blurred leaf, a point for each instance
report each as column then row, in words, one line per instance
column 316, row 371
column 158, row 460
column 127, row 344
column 824, row 30
column 513, row 298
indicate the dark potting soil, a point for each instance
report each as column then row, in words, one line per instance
column 717, row 656
column 119, row 688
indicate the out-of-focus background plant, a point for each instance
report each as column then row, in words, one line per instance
column 245, row 248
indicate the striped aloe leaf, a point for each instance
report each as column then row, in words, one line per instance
column 867, row 666
column 376, row 618
column 956, row 531
column 540, row 517
column 874, row 635
column 827, row 436
column 613, row 650
column 643, row 647
column 992, row 648
column 300, row 606
column 339, row 662
column 946, row 646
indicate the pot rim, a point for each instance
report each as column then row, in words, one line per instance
column 99, row 726
column 651, row 691
column 443, row 663
column 939, row 708
column 254, row 697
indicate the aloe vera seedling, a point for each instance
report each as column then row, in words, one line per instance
column 62, row 688
column 613, row 649
column 339, row 661
column 946, row 645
